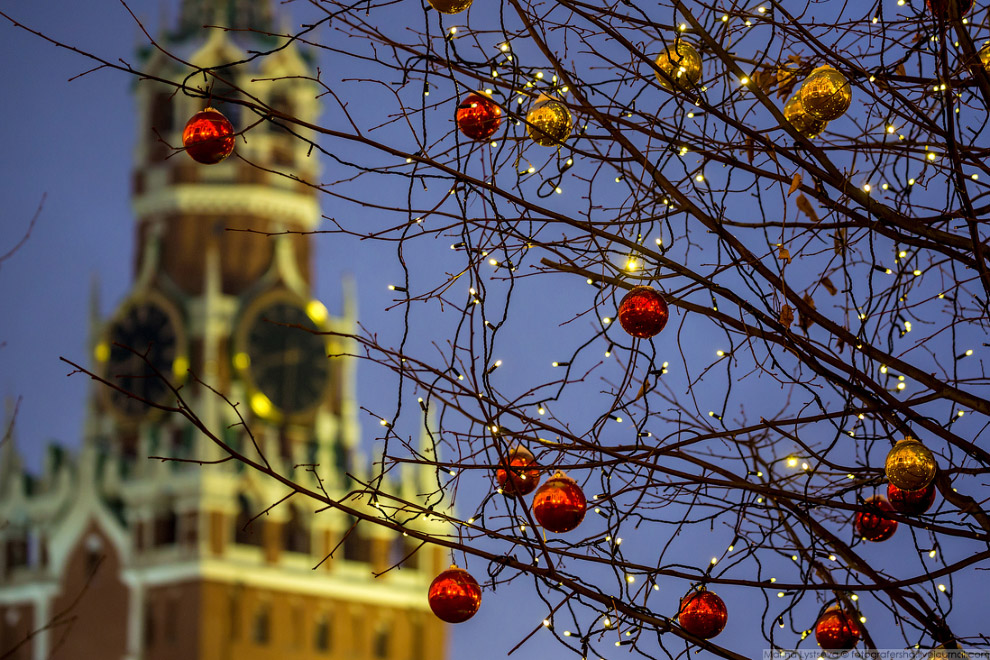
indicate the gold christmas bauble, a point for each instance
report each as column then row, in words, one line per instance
column 825, row 94
column 549, row 123
column 910, row 465
column 985, row 56
column 802, row 122
column 682, row 64
column 450, row 6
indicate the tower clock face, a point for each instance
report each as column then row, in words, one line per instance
column 142, row 340
column 285, row 361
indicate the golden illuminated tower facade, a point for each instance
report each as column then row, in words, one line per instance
column 109, row 555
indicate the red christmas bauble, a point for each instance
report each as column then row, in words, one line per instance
column 517, row 473
column 870, row 522
column 478, row 117
column 702, row 614
column 941, row 7
column 208, row 137
column 559, row 505
column 837, row 629
column 643, row 312
column 454, row 595
column 911, row 502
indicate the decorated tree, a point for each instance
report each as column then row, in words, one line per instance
column 704, row 327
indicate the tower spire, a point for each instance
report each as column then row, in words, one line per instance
column 238, row 14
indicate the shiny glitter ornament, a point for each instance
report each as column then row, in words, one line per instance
column 940, row 8
column 454, row 595
column 559, row 504
column 643, row 312
column 985, row 56
column 450, row 6
column 682, row 65
column 517, row 473
column 703, row 614
column 837, row 630
column 825, row 94
column 911, row 502
column 208, row 137
column 478, row 117
column 910, row 465
column 871, row 524
column 802, row 122
column 549, row 122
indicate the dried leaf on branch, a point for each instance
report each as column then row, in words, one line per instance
column 805, row 207
column 786, row 315
column 643, row 389
column 795, row 183
column 764, row 78
column 804, row 320
column 829, row 286
column 787, row 77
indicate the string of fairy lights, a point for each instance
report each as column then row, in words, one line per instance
column 559, row 504
column 835, row 628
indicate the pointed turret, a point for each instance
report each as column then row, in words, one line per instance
column 11, row 463
column 238, row 14
column 95, row 319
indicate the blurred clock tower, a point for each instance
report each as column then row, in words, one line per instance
column 111, row 555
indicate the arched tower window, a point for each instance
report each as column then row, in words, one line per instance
column 162, row 113
column 356, row 545
column 17, row 551
column 283, row 150
column 219, row 101
column 380, row 643
column 161, row 122
column 323, row 634
column 246, row 532
column 296, row 537
column 281, row 102
column 166, row 530
column 261, row 629
column 405, row 549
